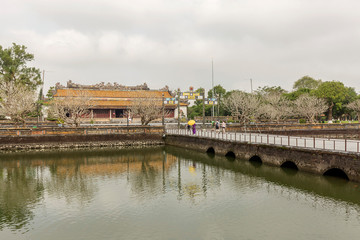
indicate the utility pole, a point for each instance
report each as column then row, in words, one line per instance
column 163, row 110
column 213, row 90
column 251, row 85
column 203, row 94
column 178, row 108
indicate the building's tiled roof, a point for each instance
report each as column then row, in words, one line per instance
column 115, row 98
column 112, row 93
column 123, row 103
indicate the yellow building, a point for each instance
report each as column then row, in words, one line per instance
column 113, row 101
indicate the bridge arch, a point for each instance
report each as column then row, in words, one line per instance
column 289, row 164
column 336, row 172
column 211, row 151
column 255, row 158
column 230, row 155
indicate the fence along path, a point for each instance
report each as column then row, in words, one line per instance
column 340, row 145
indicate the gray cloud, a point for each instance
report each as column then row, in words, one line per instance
column 173, row 42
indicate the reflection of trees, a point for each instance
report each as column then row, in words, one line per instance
column 20, row 189
column 69, row 182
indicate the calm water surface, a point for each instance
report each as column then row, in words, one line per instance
column 168, row 193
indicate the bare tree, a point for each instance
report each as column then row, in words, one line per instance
column 242, row 105
column 148, row 108
column 16, row 101
column 355, row 106
column 310, row 106
column 71, row 109
column 275, row 107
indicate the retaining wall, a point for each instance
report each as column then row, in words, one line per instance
column 17, row 139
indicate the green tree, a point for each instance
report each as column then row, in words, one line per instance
column 270, row 90
column 200, row 90
column 336, row 95
column 218, row 90
column 297, row 93
column 50, row 93
column 13, row 67
column 306, row 82
column 197, row 110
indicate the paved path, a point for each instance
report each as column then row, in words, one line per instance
column 341, row 145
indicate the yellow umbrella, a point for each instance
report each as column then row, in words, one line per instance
column 191, row 122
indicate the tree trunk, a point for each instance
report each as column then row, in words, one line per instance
column 330, row 115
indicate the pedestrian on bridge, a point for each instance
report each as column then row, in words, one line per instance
column 217, row 127
column 194, row 128
column 223, row 126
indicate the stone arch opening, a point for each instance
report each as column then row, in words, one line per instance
column 336, row 172
column 255, row 158
column 210, row 152
column 289, row 164
column 230, row 156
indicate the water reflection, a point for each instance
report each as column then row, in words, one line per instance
column 326, row 186
column 30, row 180
column 20, row 188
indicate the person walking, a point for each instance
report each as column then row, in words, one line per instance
column 217, row 126
column 194, row 128
column 223, row 126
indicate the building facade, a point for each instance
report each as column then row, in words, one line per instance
column 114, row 101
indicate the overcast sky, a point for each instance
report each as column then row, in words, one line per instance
column 173, row 42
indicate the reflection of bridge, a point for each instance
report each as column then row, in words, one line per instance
column 317, row 155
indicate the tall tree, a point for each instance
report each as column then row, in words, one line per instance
column 243, row 106
column 336, row 95
column 147, row 108
column 306, row 82
column 292, row 96
column 13, row 67
column 310, row 106
column 270, row 90
column 218, row 90
column 275, row 106
column 355, row 106
column 71, row 109
column 16, row 101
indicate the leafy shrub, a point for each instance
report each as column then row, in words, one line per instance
column 302, row 120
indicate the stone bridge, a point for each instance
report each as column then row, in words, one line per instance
column 317, row 161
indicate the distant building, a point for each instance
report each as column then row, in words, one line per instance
column 113, row 101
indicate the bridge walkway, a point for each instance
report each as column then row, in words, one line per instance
column 325, row 144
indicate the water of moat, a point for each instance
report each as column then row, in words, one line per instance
column 168, row 193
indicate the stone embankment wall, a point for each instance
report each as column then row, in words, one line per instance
column 20, row 139
column 312, row 161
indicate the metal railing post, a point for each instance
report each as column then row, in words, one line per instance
column 345, row 145
column 289, row 140
column 314, row 142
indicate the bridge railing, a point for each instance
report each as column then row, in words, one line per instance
column 342, row 145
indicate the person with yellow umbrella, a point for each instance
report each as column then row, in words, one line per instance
column 193, row 124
